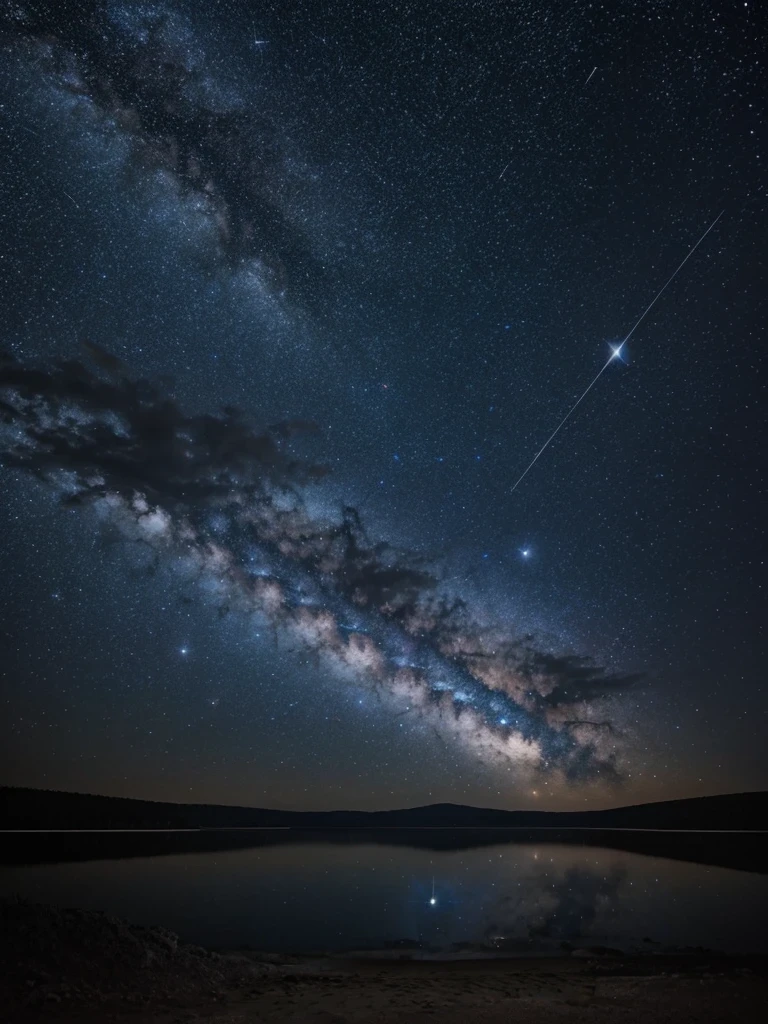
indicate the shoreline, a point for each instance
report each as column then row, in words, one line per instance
column 83, row 967
column 740, row 850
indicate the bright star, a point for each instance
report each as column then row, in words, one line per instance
column 432, row 901
column 525, row 552
column 616, row 349
column 183, row 650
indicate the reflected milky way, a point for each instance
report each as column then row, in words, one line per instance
column 511, row 898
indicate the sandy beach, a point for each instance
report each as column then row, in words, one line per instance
column 76, row 966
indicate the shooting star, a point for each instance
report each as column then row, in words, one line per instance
column 615, row 354
column 71, row 199
column 590, row 75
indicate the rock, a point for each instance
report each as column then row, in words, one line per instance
column 84, row 951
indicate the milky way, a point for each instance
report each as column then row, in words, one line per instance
column 141, row 68
column 227, row 502
column 292, row 294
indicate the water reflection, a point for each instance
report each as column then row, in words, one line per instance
column 536, row 901
column 323, row 896
column 565, row 909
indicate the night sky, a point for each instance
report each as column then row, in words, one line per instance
column 292, row 294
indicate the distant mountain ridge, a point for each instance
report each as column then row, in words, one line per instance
column 23, row 808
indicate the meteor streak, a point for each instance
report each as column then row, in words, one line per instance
column 615, row 354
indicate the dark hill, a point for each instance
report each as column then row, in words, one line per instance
column 22, row 808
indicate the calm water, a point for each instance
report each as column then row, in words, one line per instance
column 326, row 896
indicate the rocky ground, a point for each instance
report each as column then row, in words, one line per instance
column 78, row 967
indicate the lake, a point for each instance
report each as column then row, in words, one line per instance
column 276, row 893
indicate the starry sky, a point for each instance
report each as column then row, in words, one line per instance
column 292, row 295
